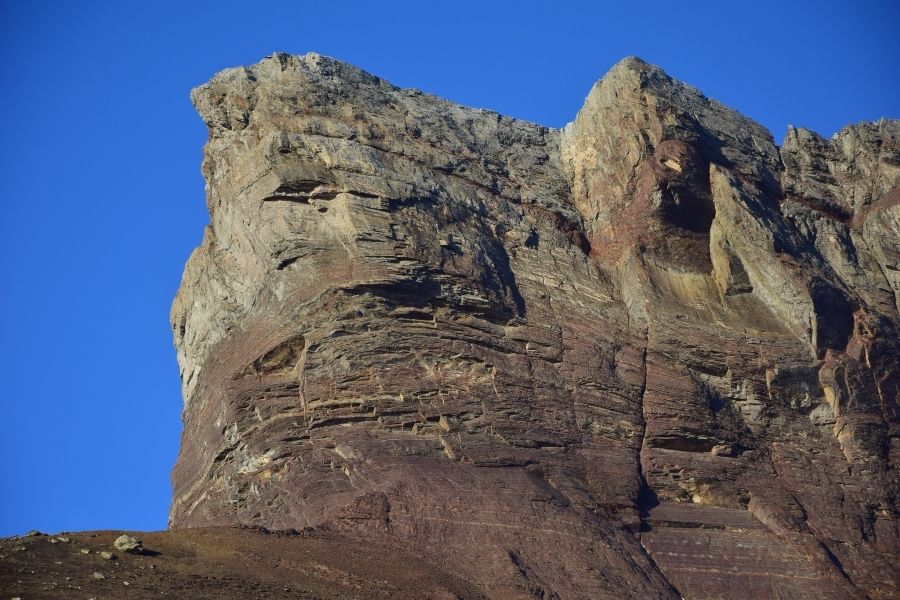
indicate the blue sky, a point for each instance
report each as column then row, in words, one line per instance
column 103, row 199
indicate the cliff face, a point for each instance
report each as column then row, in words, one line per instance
column 649, row 355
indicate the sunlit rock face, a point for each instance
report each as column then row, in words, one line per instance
column 650, row 355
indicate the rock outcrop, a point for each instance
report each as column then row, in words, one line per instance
column 649, row 355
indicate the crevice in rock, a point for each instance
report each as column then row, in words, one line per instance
column 838, row 565
column 647, row 498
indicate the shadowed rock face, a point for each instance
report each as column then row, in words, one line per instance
column 649, row 355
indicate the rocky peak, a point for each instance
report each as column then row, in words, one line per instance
column 556, row 362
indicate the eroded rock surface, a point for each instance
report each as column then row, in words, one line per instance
column 649, row 355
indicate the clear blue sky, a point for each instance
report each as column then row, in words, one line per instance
column 103, row 199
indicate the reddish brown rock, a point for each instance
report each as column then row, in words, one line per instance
column 615, row 360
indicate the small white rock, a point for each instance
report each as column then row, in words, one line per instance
column 126, row 543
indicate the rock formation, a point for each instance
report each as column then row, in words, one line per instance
column 649, row 355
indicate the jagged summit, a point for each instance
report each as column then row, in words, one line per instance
column 614, row 360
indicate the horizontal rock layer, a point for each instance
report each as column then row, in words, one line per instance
column 651, row 354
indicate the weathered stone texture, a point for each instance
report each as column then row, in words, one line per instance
column 649, row 355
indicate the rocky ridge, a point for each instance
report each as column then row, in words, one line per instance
column 651, row 354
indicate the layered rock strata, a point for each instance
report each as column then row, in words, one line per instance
column 651, row 354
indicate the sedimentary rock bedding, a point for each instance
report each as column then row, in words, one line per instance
column 651, row 354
